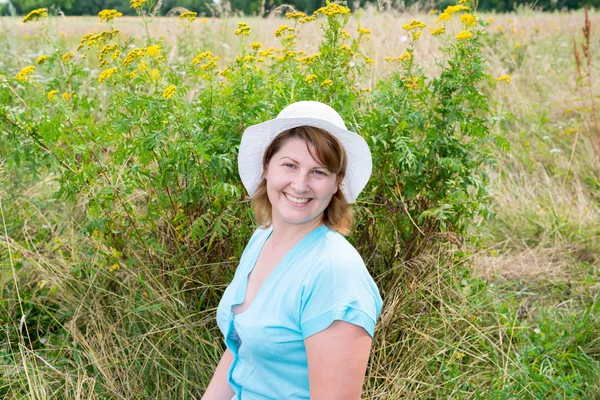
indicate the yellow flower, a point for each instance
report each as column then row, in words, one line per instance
column 137, row 3
column 443, row 17
column 201, row 57
column 106, row 74
column 345, row 34
column 255, row 45
column 66, row 96
column 363, row 31
column 504, row 78
column 306, row 19
column 114, row 267
column 310, row 78
column 326, row 82
column 295, row 15
column 249, row 58
column 369, row 61
column 41, row 59
column 463, row 1
column 260, row 59
column 134, row 54
column 412, row 83
column 152, row 51
column 108, row 15
column 169, row 92
column 332, row 9
column 189, row 15
column 52, row 94
column 454, row 9
column 417, row 35
column 500, row 28
column 265, row 53
column 491, row 20
column 433, row 11
column 406, row 57
column 67, row 57
column 414, row 24
column 468, row 19
column 23, row 76
column 243, row 29
column 438, row 31
column 154, row 74
column 133, row 74
column 464, row 35
column 279, row 31
column 36, row 15
column 143, row 67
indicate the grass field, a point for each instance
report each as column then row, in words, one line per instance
column 512, row 313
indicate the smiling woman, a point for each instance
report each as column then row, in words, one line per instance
column 299, row 316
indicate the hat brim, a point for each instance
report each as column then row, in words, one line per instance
column 257, row 138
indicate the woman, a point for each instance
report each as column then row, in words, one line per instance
column 298, row 317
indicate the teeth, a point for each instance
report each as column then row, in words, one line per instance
column 296, row 200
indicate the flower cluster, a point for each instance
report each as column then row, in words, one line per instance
column 137, row 3
column 41, row 59
column 67, row 57
column 443, row 17
column 169, row 92
column 364, row 31
column 333, row 9
column 106, row 50
column 109, row 15
column 295, row 15
column 106, row 74
column 23, row 76
column 414, row 24
column 133, row 55
column 464, row 35
column 468, row 19
column 153, row 51
column 88, row 40
column 255, row 45
column 36, row 15
column 306, row 19
column 243, row 29
column 438, row 31
column 201, row 56
column 407, row 57
column 454, row 9
column 189, row 15
column 310, row 78
column 283, row 29
column 504, row 78
column 308, row 60
column 327, row 82
column 52, row 94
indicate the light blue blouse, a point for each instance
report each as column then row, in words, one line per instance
column 320, row 280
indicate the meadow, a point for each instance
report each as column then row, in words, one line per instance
column 123, row 216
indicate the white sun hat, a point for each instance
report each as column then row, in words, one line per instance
column 257, row 138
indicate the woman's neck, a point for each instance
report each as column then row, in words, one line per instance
column 286, row 235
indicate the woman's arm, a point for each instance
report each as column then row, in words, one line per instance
column 219, row 388
column 337, row 361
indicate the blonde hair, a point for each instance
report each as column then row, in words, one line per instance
column 329, row 152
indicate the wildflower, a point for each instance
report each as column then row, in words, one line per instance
column 295, row 15
column 504, row 78
column 255, row 45
column 153, row 51
column 306, row 19
column 265, row 53
column 310, row 78
column 326, row 82
column 249, row 58
column 201, row 57
column 108, row 15
column 134, row 54
column 169, row 92
column 143, row 67
column 345, row 34
column 433, row 11
column 41, row 59
column 23, row 76
column 210, row 63
column 67, row 57
column 106, row 74
column 281, row 30
column 369, row 61
column 346, row 48
column 417, row 35
column 454, row 9
column 137, row 3
column 464, row 35
column 114, row 267
column 443, row 17
column 260, row 59
column 438, row 31
column 189, row 15
column 463, row 1
column 406, row 56
column 36, row 15
column 133, row 74
column 154, row 74
column 491, row 20
column 468, row 19
column 411, row 83
column 414, row 24
column 500, row 28
column 363, row 31
column 52, row 94
column 243, row 29
column 332, row 9
column 66, row 96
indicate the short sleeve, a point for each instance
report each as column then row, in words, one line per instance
column 340, row 290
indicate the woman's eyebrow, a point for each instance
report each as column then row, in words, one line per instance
column 281, row 158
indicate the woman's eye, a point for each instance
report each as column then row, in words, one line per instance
column 320, row 173
column 289, row 165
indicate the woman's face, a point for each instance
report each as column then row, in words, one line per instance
column 299, row 188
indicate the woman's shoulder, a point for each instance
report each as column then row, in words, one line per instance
column 335, row 252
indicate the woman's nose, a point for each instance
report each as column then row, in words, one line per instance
column 299, row 183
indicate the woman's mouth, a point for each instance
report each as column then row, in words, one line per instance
column 297, row 200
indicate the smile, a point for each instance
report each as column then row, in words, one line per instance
column 296, row 200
